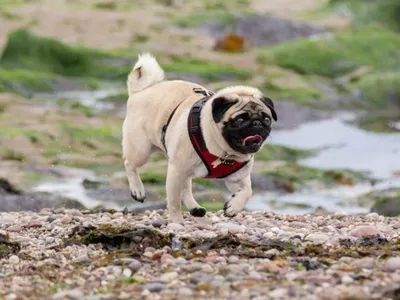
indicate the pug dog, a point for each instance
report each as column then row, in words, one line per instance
column 202, row 134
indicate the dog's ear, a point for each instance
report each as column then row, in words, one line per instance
column 268, row 102
column 219, row 106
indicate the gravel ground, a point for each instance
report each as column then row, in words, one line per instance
column 71, row 254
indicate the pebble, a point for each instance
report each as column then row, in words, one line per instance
column 278, row 293
column 14, row 260
column 365, row 231
column 49, row 240
column 347, row 279
column 155, row 287
column 184, row 291
column 231, row 227
column 14, row 228
column 127, row 272
column 233, row 259
column 392, row 264
column 175, row 226
column 168, row 277
column 159, row 223
column 317, row 238
column 365, row 263
column 66, row 219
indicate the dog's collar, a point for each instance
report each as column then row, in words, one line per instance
column 217, row 167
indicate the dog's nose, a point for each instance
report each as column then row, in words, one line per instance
column 257, row 124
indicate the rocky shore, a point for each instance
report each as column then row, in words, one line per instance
column 72, row 254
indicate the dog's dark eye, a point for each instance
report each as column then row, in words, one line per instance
column 267, row 121
column 239, row 121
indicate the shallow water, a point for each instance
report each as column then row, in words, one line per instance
column 340, row 145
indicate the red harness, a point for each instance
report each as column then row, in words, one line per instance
column 224, row 167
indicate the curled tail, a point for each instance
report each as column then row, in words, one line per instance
column 144, row 74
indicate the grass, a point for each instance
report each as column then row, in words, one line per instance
column 337, row 54
column 200, row 17
column 380, row 89
column 384, row 13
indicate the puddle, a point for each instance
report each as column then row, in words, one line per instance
column 341, row 145
column 87, row 98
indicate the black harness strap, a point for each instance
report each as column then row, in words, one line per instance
column 165, row 127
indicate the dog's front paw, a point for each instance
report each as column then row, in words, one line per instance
column 139, row 195
column 231, row 210
column 198, row 212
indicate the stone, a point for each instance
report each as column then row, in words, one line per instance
column 49, row 240
column 175, row 226
column 168, row 277
column 392, row 264
column 127, row 272
column 154, row 287
column 184, row 291
column 365, row 263
column 233, row 259
column 365, row 231
column 231, row 227
column 66, row 219
column 14, row 260
column 159, row 223
column 14, row 228
column 317, row 238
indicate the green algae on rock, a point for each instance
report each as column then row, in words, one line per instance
column 336, row 54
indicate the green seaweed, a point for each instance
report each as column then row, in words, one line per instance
column 336, row 54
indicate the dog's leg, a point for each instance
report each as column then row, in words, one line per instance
column 135, row 156
column 194, row 208
column 175, row 186
column 241, row 194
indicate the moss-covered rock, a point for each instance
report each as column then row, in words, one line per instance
column 387, row 202
column 379, row 89
column 276, row 152
column 294, row 175
column 382, row 13
column 24, row 80
column 336, row 54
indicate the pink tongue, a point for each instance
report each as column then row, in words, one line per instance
column 252, row 139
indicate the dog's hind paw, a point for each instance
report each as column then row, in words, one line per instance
column 198, row 212
column 138, row 197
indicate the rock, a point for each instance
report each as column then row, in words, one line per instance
column 231, row 227
column 175, row 226
column 184, row 291
column 49, row 240
column 261, row 30
column 318, row 238
column 14, row 228
column 365, row 263
column 387, row 202
column 66, row 219
column 14, row 260
column 127, row 272
column 347, row 279
column 392, row 264
column 233, row 259
column 271, row 253
column 155, row 287
column 365, row 231
column 75, row 294
column 168, row 277
column 279, row 293
column 159, row 223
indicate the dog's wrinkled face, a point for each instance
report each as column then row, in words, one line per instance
column 246, row 122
